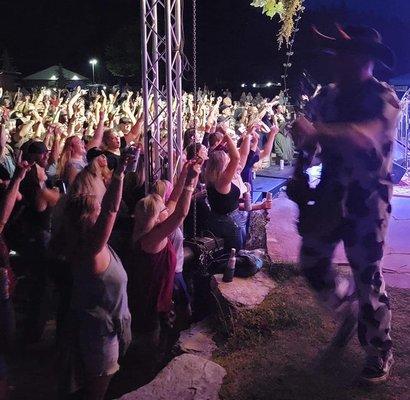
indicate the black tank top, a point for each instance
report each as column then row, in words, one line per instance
column 223, row 203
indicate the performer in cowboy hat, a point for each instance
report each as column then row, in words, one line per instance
column 351, row 127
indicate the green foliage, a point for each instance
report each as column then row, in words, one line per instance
column 286, row 10
column 270, row 7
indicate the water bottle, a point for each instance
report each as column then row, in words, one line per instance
column 282, row 165
column 230, row 268
column 135, row 153
column 247, row 198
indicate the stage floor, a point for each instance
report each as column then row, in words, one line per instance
column 283, row 240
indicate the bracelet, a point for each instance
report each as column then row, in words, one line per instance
column 189, row 188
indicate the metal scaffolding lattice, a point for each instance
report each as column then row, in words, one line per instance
column 162, row 38
column 403, row 132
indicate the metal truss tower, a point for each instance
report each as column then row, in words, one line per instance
column 162, row 39
column 403, row 134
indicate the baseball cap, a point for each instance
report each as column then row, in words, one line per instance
column 93, row 153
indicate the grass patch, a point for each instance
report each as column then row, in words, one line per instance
column 282, row 272
column 276, row 313
column 275, row 352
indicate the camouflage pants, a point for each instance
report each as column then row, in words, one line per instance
column 364, row 242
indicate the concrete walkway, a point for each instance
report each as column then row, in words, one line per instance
column 283, row 240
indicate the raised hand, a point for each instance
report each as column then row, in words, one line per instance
column 22, row 167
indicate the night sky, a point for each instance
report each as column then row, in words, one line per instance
column 236, row 43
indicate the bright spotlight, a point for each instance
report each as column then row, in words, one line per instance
column 269, row 84
column 93, row 61
column 53, row 78
column 254, row 85
column 243, row 85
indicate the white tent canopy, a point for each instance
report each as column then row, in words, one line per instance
column 51, row 74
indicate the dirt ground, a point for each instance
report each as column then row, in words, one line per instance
column 277, row 352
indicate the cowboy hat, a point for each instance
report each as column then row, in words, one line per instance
column 357, row 40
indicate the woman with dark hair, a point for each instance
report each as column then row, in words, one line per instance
column 7, row 323
column 38, row 202
column 189, row 138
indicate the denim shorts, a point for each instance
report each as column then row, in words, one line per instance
column 230, row 227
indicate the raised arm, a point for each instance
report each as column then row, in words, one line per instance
column 96, row 140
column 234, row 158
column 39, row 99
column 110, row 205
column 152, row 241
column 55, row 149
column 178, row 188
column 73, row 100
column 9, row 200
column 244, row 148
column 267, row 148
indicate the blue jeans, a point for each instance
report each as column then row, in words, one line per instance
column 230, row 227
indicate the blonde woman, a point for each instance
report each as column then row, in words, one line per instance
column 226, row 220
column 73, row 156
column 72, row 159
column 154, row 254
column 99, row 321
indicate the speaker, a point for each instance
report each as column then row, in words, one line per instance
column 398, row 172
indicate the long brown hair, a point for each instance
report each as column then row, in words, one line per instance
column 66, row 155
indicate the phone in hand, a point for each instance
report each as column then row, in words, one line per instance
column 242, row 129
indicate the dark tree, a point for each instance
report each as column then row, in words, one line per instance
column 6, row 62
column 122, row 53
column 61, row 79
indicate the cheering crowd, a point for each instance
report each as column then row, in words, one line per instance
column 73, row 207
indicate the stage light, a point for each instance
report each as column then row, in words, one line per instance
column 254, row 85
column 243, row 85
column 53, row 78
column 75, row 78
column 269, row 84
